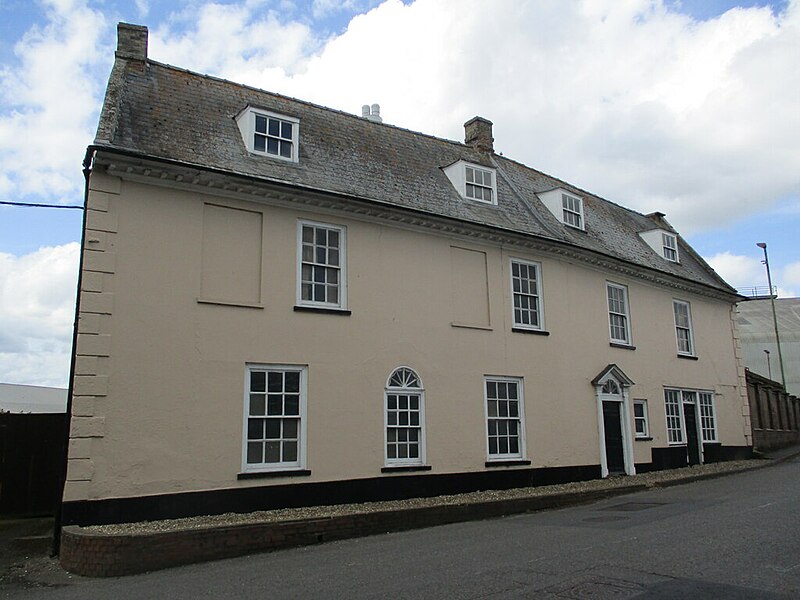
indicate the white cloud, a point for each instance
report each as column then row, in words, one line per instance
column 748, row 272
column 631, row 100
column 241, row 42
column 143, row 7
column 50, row 102
column 37, row 305
column 739, row 271
column 791, row 275
column 323, row 8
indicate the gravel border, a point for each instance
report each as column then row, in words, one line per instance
column 651, row 479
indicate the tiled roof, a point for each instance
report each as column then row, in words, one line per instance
column 163, row 112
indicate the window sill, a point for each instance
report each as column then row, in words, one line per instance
column 507, row 463
column 688, row 356
column 469, row 326
column 621, row 346
column 531, row 331
column 322, row 309
column 230, row 303
column 405, row 468
column 642, row 439
column 269, row 474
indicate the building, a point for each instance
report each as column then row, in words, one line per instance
column 283, row 304
column 32, row 435
column 32, row 399
column 759, row 348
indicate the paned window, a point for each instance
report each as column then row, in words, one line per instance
column 504, row 415
column 640, row 420
column 479, row 184
column 405, row 419
column 672, row 402
column 683, row 327
column 618, row 313
column 525, row 291
column 669, row 244
column 572, row 211
column 275, row 404
column 322, row 265
column 274, row 136
column 708, row 424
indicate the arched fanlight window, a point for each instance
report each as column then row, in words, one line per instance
column 611, row 387
column 404, row 403
column 404, row 378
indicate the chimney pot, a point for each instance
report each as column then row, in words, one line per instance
column 478, row 134
column 132, row 41
column 372, row 113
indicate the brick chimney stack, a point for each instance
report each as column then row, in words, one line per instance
column 131, row 41
column 478, row 134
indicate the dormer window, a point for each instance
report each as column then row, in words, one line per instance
column 269, row 134
column 572, row 211
column 479, row 184
column 273, row 136
column 473, row 182
column 565, row 206
column 669, row 245
column 664, row 243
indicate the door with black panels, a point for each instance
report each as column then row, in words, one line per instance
column 692, row 441
column 612, row 423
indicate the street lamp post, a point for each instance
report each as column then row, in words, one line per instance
column 763, row 246
column 769, row 366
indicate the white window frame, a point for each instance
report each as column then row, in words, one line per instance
column 669, row 246
column 708, row 416
column 519, row 419
column 645, row 419
column 302, row 428
column 535, row 297
column 471, row 175
column 406, row 390
column 687, row 328
column 457, row 174
column 676, row 430
column 247, row 126
column 341, row 267
column 572, row 212
column 625, row 314
column 705, row 411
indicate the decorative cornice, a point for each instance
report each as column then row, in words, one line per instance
column 167, row 173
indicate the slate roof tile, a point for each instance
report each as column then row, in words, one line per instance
column 164, row 112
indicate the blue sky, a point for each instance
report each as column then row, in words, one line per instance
column 687, row 107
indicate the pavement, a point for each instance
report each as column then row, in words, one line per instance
column 26, row 544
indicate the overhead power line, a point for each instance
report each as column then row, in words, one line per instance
column 32, row 205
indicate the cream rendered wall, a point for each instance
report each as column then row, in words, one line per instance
column 172, row 415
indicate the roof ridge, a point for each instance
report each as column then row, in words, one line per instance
column 389, row 125
column 570, row 185
column 359, row 118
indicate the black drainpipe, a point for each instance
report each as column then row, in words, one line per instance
column 87, row 170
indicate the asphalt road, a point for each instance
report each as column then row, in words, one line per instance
column 732, row 537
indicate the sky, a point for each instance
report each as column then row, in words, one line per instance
column 688, row 107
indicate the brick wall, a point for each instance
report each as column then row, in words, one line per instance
column 774, row 414
column 101, row 555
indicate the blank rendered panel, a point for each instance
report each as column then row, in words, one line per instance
column 231, row 255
